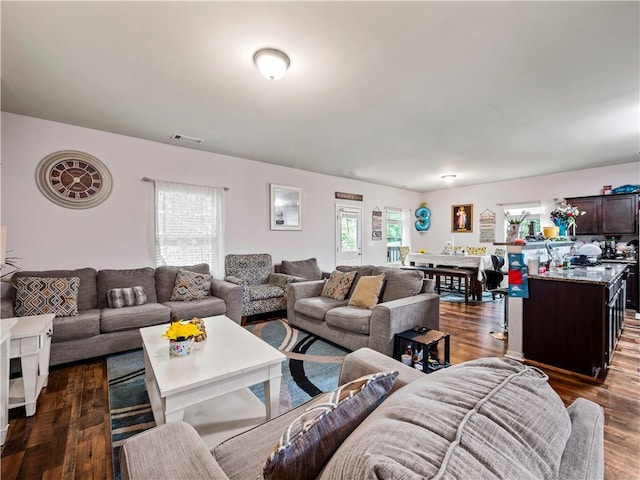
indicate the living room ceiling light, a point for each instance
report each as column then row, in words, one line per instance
column 448, row 178
column 272, row 63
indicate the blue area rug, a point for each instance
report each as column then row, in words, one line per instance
column 129, row 405
column 312, row 366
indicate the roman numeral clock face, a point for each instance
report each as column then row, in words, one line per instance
column 73, row 179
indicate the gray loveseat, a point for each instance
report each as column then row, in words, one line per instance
column 406, row 301
column 484, row 419
column 99, row 330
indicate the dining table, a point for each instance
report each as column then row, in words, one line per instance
column 476, row 262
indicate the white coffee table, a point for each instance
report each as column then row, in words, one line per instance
column 31, row 343
column 213, row 379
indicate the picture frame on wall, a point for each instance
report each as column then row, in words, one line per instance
column 462, row 218
column 286, row 207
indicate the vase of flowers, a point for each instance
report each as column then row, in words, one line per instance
column 181, row 336
column 564, row 217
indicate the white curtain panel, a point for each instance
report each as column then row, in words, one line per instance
column 406, row 227
column 190, row 225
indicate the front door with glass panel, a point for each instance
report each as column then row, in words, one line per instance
column 349, row 235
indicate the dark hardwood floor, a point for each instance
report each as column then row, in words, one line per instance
column 69, row 435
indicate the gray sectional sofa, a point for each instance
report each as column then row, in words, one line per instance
column 99, row 330
column 406, row 301
column 485, row 419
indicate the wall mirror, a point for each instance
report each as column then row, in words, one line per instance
column 286, row 207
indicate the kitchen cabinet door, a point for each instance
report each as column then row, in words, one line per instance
column 632, row 287
column 620, row 214
column 589, row 223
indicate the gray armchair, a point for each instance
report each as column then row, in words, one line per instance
column 263, row 290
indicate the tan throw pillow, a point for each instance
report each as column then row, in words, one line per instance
column 338, row 285
column 40, row 295
column 312, row 438
column 190, row 286
column 367, row 292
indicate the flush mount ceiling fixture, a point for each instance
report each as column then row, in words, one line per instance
column 272, row 63
column 448, row 178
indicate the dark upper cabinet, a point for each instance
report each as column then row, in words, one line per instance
column 607, row 214
column 589, row 223
column 619, row 214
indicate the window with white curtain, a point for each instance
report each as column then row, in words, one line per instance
column 190, row 225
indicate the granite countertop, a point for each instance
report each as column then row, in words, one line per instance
column 600, row 274
column 619, row 260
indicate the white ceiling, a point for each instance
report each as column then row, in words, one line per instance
column 394, row 93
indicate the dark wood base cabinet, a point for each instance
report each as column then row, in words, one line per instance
column 632, row 287
column 573, row 326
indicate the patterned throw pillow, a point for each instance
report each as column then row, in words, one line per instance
column 338, row 285
column 312, row 438
column 367, row 292
column 126, row 297
column 190, row 286
column 40, row 295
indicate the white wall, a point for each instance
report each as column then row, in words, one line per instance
column 119, row 232
column 541, row 188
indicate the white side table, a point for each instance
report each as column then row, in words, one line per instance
column 5, row 332
column 31, row 343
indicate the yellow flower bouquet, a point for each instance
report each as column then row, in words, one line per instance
column 180, row 332
column 181, row 337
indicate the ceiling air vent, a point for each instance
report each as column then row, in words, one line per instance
column 186, row 139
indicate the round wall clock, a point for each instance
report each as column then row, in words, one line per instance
column 73, row 179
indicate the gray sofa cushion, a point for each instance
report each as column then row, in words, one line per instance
column 129, row 318
column 317, row 307
column 108, row 279
column 468, row 421
column 399, row 283
column 87, row 293
column 197, row 308
column 308, row 269
column 351, row 319
column 84, row 325
column 166, row 278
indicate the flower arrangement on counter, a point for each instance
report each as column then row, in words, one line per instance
column 517, row 219
column 565, row 215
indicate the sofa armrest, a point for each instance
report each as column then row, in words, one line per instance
column 296, row 291
column 396, row 316
column 173, row 451
column 6, row 308
column 231, row 294
column 280, row 279
column 365, row 361
column 428, row 285
column 583, row 456
column 235, row 280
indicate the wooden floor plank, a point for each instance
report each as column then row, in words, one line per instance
column 69, row 437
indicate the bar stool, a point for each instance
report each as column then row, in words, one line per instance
column 503, row 334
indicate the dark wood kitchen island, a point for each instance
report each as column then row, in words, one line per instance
column 573, row 318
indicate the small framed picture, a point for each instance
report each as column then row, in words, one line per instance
column 462, row 218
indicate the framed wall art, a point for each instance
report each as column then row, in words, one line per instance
column 462, row 218
column 286, row 207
